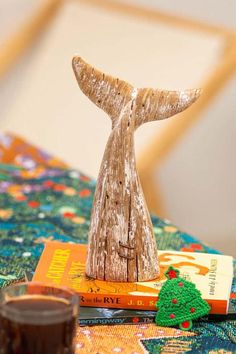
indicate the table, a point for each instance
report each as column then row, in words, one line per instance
column 42, row 199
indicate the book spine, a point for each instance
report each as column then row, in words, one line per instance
column 118, row 301
column 116, row 321
column 138, row 302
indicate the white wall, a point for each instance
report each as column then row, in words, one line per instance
column 40, row 100
column 199, row 178
column 210, row 11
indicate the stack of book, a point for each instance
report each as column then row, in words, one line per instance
column 103, row 303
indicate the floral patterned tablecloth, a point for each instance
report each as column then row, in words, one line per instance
column 42, row 199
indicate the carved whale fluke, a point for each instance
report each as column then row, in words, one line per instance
column 153, row 104
column 107, row 92
column 112, row 94
column 122, row 246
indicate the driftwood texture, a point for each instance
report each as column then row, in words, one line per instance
column 122, row 246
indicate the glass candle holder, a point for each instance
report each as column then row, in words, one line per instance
column 37, row 319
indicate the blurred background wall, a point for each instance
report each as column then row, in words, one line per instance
column 199, row 179
column 209, row 11
column 40, row 100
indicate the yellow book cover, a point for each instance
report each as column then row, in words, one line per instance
column 63, row 264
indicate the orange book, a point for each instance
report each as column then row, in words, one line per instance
column 63, row 264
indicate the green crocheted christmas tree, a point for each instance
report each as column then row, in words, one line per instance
column 179, row 302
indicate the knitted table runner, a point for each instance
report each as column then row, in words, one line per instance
column 42, row 199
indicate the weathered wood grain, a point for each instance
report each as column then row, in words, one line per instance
column 122, row 246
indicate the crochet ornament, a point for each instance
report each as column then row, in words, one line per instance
column 179, row 302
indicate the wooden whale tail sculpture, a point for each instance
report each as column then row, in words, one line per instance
column 122, row 246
